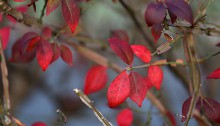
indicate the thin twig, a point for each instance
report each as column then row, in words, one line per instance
column 85, row 99
column 155, row 64
column 5, row 80
column 208, row 57
column 195, row 78
column 43, row 11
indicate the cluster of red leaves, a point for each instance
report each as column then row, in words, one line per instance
column 156, row 13
column 132, row 85
column 31, row 44
column 70, row 10
column 210, row 107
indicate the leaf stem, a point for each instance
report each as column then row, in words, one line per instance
column 157, row 63
column 207, row 57
column 43, row 11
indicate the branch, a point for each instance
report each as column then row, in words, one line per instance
column 195, row 78
column 19, row 16
column 4, row 71
column 43, row 11
column 6, row 97
column 85, row 99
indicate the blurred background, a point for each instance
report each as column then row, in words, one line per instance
column 36, row 95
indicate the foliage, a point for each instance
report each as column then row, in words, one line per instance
column 172, row 20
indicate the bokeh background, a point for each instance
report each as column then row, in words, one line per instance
column 36, row 95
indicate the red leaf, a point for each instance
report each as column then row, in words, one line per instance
column 120, row 34
column 96, row 79
column 142, row 52
column 212, row 109
column 215, row 74
column 66, row 55
column 19, row 53
column 181, row 9
column 186, row 105
column 118, row 90
column 71, row 13
column 171, row 118
column 4, row 36
column 125, row 117
column 216, row 44
column 156, row 31
column 155, row 75
column 51, row 6
column 44, row 54
column 38, row 124
column 46, row 33
column 139, row 87
column 56, row 51
column 173, row 17
column 122, row 49
column 155, row 13
column 32, row 44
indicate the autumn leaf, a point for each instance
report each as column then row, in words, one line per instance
column 212, row 109
column 156, row 31
column 118, row 90
column 171, row 118
column 125, row 117
column 96, row 79
column 31, row 45
column 66, row 55
column 155, row 13
column 71, row 13
column 56, row 51
column 155, row 75
column 46, row 33
column 19, row 53
column 173, row 17
column 120, row 34
column 186, row 105
column 39, row 124
column 142, row 52
column 215, row 74
column 44, row 54
column 4, row 36
column 51, row 6
column 122, row 49
column 181, row 9
column 139, row 87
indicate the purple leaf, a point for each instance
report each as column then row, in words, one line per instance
column 155, row 13
column 181, row 9
column 156, row 31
